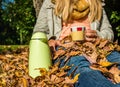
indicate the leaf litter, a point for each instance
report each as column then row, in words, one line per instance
column 95, row 52
column 14, row 65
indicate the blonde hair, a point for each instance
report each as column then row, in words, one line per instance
column 95, row 10
column 64, row 9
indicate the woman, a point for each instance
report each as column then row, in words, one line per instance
column 56, row 17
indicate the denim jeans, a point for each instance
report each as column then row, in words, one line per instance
column 89, row 77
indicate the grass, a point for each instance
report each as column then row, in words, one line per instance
column 11, row 47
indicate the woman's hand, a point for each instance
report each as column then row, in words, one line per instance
column 90, row 35
column 53, row 43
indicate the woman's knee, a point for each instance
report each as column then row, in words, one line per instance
column 114, row 56
column 79, row 61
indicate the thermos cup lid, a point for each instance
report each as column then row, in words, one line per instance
column 39, row 36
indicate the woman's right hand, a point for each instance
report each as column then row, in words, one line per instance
column 52, row 44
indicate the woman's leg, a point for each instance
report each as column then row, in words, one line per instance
column 80, row 63
column 88, row 77
column 94, row 79
column 114, row 57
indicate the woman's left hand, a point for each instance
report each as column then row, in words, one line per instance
column 53, row 43
column 90, row 35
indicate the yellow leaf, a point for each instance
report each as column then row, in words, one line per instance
column 43, row 71
column 76, row 78
column 18, row 73
column 25, row 84
column 106, row 63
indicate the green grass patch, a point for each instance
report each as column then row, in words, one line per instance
column 4, row 48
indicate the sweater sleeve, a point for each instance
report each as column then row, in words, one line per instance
column 41, row 22
column 105, row 30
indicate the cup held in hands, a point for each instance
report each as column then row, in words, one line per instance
column 77, row 33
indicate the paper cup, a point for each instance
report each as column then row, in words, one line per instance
column 77, row 33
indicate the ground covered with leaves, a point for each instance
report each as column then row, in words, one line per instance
column 14, row 71
column 14, row 64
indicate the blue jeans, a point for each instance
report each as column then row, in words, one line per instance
column 89, row 77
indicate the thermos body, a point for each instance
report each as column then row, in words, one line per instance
column 39, row 54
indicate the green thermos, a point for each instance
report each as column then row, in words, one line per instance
column 39, row 54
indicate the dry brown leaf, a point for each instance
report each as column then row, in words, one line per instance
column 97, row 42
column 118, row 48
column 58, row 53
column 116, row 73
column 103, row 43
column 90, row 59
column 61, row 74
column 98, row 67
column 68, row 45
column 54, row 69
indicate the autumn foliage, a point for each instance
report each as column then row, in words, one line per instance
column 14, row 64
column 95, row 53
column 14, row 72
